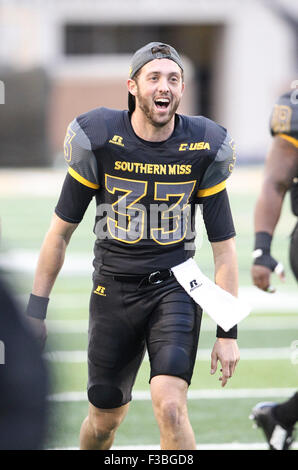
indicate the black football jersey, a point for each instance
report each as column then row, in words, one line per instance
column 284, row 118
column 284, row 122
column 146, row 192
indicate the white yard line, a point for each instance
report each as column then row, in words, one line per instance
column 25, row 261
column 222, row 446
column 67, row 326
column 252, row 323
column 204, row 394
column 255, row 354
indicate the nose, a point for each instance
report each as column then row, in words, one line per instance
column 163, row 86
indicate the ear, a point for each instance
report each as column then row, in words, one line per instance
column 132, row 86
column 183, row 87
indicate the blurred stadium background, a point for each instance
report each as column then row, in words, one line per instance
column 59, row 58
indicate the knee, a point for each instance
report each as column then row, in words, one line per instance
column 169, row 413
column 103, row 426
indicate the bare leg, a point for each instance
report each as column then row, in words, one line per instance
column 169, row 398
column 99, row 427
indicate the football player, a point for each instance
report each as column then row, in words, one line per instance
column 147, row 169
column 280, row 176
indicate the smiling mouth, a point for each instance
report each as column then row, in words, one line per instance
column 162, row 103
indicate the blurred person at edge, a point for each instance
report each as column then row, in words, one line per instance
column 277, row 420
column 23, row 379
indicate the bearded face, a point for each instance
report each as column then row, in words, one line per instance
column 158, row 91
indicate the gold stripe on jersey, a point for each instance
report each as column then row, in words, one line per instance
column 213, row 190
column 289, row 139
column 82, row 180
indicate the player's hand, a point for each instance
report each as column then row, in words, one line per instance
column 261, row 272
column 39, row 330
column 226, row 351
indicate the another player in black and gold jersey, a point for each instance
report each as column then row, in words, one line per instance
column 280, row 176
column 147, row 168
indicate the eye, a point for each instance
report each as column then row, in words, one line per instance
column 152, row 77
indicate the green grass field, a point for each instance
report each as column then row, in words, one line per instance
column 268, row 369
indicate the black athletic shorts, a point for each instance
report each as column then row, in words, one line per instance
column 125, row 319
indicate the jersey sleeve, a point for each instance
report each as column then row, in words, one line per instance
column 217, row 216
column 81, row 161
column 284, row 119
column 74, row 200
column 216, row 174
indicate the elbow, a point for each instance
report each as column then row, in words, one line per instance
column 281, row 187
column 277, row 186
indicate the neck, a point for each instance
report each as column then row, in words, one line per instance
column 147, row 131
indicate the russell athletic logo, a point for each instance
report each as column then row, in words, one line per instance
column 194, row 285
column 100, row 290
column 117, row 140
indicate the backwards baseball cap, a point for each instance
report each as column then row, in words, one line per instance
column 153, row 50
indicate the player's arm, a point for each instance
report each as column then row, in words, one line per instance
column 215, row 206
column 51, row 256
column 280, row 168
column 73, row 202
column 50, row 261
column 79, row 187
column 225, row 349
column 213, row 197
